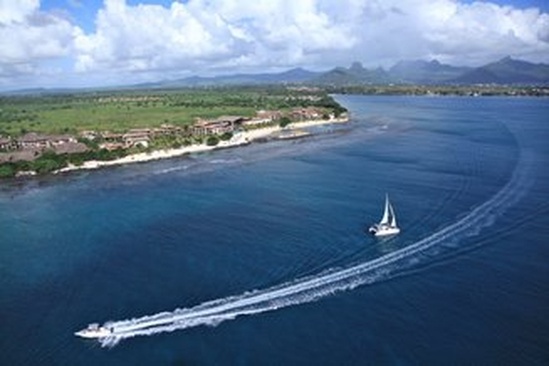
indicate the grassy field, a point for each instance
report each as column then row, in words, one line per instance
column 119, row 111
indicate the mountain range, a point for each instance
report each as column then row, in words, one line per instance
column 506, row 71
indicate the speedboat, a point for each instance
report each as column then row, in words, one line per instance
column 95, row 331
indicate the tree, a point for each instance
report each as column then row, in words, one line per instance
column 226, row 136
column 212, row 140
column 45, row 165
column 284, row 121
column 7, row 171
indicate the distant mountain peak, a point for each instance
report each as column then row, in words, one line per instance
column 416, row 65
column 296, row 69
column 422, row 71
column 508, row 60
column 356, row 67
column 508, row 71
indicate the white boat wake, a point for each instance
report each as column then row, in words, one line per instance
column 311, row 288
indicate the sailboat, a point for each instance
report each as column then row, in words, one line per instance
column 387, row 225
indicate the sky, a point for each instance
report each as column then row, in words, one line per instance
column 94, row 43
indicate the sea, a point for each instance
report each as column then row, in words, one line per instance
column 260, row 255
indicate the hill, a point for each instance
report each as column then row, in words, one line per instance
column 293, row 76
column 425, row 72
column 507, row 71
column 356, row 74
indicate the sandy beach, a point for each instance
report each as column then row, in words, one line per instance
column 239, row 139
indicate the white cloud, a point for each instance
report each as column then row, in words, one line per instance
column 29, row 38
column 150, row 37
column 482, row 32
column 451, row 31
column 16, row 11
column 201, row 36
column 248, row 35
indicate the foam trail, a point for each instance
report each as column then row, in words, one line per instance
column 314, row 287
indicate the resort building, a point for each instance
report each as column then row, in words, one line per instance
column 263, row 117
column 309, row 113
column 111, row 137
column 110, row 146
column 89, row 135
column 167, row 130
column 137, row 137
column 36, row 141
column 7, row 143
column 217, row 126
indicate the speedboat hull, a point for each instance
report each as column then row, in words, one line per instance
column 94, row 332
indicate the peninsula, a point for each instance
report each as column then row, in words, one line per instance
column 60, row 133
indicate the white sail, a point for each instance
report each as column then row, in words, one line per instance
column 393, row 217
column 385, row 219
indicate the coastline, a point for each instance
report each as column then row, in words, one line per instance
column 239, row 139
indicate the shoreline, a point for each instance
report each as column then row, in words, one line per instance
column 239, row 139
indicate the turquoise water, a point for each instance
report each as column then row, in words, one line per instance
column 143, row 239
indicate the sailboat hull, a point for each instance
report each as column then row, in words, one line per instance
column 383, row 231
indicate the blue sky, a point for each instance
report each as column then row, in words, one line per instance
column 84, row 11
column 521, row 4
column 71, row 43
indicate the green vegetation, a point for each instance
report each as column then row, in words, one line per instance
column 212, row 140
column 168, row 142
column 226, row 136
column 284, row 121
column 49, row 161
column 7, row 170
column 119, row 111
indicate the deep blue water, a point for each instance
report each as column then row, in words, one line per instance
column 142, row 239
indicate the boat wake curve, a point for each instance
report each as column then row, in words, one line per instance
column 312, row 288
